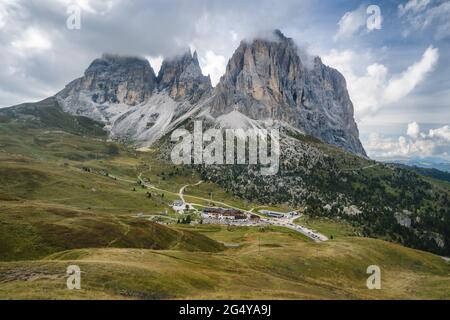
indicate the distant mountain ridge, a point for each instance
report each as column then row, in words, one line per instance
column 426, row 163
column 430, row 172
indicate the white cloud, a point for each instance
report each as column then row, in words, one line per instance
column 32, row 39
column 414, row 6
column 5, row 7
column 234, row 36
column 351, row 22
column 156, row 63
column 413, row 130
column 3, row 15
column 426, row 14
column 139, row 27
column 402, row 85
column 214, row 65
column 98, row 7
column 435, row 143
column 441, row 133
column 377, row 88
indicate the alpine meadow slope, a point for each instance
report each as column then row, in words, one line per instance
column 86, row 178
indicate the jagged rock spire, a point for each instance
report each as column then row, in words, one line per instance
column 266, row 79
column 182, row 77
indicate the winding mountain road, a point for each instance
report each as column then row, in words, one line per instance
column 180, row 194
column 286, row 222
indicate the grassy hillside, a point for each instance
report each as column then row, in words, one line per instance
column 33, row 230
column 48, row 114
column 50, row 203
column 384, row 201
column 269, row 264
column 69, row 196
column 331, row 228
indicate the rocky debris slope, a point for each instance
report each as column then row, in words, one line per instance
column 125, row 94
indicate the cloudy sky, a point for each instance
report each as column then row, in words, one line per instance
column 395, row 55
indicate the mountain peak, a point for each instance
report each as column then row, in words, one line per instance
column 266, row 79
column 182, row 77
column 271, row 36
column 112, row 62
column 280, row 36
column 195, row 57
column 114, row 79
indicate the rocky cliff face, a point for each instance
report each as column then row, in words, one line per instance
column 115, row 79
column 266, row 79
column 135, row 105
column 261, row 79
column 182, row 77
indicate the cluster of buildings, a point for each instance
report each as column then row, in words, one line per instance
column 216, row 215
column 230, row 216
column 224, row 214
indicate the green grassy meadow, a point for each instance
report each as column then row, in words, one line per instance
column 54, row 213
